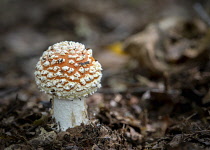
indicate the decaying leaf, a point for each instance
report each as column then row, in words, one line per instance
column 44, row 139
column 164, row 45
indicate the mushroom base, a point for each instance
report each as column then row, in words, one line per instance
column 70, row 113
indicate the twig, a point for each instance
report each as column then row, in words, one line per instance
column 202, row 13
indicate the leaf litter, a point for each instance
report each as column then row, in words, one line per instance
column 156, row 97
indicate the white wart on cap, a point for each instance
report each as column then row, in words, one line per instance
column 67, row 70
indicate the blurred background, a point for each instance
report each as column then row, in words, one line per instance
column 135, row 38
column 154, row 54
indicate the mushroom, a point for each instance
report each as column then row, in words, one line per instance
column 68, row 72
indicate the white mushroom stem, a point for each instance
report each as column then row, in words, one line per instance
column 70, row 113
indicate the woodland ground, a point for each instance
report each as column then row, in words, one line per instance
column 156, row 77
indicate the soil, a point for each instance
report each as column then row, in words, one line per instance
column 157, row 98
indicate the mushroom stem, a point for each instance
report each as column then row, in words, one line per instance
column 70, row 113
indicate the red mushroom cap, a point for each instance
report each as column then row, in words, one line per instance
column 67, row 70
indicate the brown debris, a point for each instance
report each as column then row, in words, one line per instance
column 159, row 101
column 167, row 44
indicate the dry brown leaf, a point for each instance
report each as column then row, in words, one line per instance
column 163, row 45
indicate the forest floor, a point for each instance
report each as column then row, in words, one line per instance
column 153, row 97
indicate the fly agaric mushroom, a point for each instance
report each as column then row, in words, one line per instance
column 69, row 73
